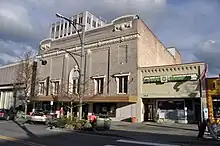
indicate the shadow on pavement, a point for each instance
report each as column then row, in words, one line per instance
column 23, row 127
column 101, row 138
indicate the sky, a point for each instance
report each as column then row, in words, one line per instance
column 192, row 26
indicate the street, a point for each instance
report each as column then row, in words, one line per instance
column 16, row 134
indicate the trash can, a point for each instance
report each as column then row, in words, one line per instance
column 103, row 122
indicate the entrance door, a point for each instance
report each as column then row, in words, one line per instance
column 149, row 115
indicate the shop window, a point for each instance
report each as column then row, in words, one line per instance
column 189, row 104
column 105, row 109
column 99, row 85
column 171, row 105
column 216, row 106
column 122, row 84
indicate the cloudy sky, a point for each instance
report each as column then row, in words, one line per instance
column 190, row 25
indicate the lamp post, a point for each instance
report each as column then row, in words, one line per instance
column 81, row 68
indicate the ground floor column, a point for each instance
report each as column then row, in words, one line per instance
column 140, row 110
column 90, row 108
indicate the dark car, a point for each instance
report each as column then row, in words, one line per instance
column 7, row 114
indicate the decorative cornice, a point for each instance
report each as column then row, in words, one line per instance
column 96, row 44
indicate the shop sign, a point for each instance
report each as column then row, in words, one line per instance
column 173, row 78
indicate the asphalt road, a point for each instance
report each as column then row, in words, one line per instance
column 14, row 134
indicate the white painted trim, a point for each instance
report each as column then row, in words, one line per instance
column 117, row 81
column 97, row 77
column 96, row 44
column 52, row 81
column 96, row 83
column 125, row 16
column 122, row 74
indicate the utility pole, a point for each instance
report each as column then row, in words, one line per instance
column 82, row 76
column 81, row 83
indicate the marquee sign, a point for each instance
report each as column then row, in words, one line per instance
column 173, row 78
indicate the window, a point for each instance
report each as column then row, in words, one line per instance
column 57, row 28
column 93, row 23
column 65, row 25
column 55, row 87
column 99, row 85
column 75, row 87
column 74, row 21
column 88, row 20
column 123, row 54
column 216, row 106
column 99, row 24
column 62, row 26
column 41, row 88
column 53, row 29
column 80, row 20
column 122, row 84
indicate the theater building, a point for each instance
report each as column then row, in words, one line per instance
column 113, row 52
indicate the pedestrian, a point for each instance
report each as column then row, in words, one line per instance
column 202, row 127
column 92, row 121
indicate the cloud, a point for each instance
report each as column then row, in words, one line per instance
column 187, row 25
column 209, row 52
column 15, row 22
column 11, row 51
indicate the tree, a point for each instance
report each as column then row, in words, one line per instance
column 73, row 92
column 26, row 78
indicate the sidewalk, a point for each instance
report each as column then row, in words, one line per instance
column 159, row 128
column 192, row 127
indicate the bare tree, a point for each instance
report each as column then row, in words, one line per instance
column 26, row 77
column 73, row 92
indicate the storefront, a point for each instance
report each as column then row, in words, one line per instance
column 213, row 98
column 172, row 93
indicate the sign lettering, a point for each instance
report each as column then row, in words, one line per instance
column 173, row 78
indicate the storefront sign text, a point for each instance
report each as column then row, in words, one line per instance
column 173, row 78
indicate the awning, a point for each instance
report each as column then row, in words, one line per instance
column 95, row 98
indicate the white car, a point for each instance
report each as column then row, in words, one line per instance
column 38, row 117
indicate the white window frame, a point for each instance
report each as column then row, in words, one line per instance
column 117, row 76
column 96, row 90
column 39, row 88
column 53, row 92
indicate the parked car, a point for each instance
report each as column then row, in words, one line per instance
column 41, row 117
column 7, row 114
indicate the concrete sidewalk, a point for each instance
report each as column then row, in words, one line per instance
column 192, row 127
column 162, row 128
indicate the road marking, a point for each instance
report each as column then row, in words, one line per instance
column 143, row 143
column 20, row 141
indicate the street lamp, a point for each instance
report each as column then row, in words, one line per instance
column 81, row 68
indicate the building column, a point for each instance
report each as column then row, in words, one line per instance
column 90, row 108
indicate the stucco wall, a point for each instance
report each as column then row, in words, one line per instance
column 151, row 52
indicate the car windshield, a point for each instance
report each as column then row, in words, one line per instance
column 38, row 114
